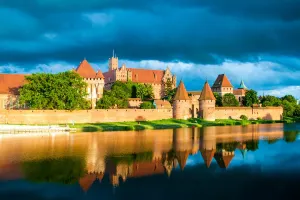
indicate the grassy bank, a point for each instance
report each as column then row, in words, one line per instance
column 291, row 119
column 164, row 124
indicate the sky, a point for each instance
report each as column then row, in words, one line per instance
column 257, row 41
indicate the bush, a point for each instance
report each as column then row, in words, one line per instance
column 243, row 117
column 147, row 105
column 259, row 118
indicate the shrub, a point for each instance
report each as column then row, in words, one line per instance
column 243, row 117
column 147, row 105
column 259, row 118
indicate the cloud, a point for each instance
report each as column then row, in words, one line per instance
column 262, row 76
column 254, row 40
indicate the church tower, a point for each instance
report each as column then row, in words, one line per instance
column 113, row 62
column 207, row 103
column 181, row 103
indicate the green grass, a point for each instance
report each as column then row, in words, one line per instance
column 291, row 119
column 165, row 124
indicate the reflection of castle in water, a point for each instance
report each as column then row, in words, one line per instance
column 124, row 155
column 212, row 142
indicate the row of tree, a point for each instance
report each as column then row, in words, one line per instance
column 67, row 91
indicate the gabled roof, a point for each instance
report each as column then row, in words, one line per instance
column 10, row 83
column 85, row 70
column 222, row 81
column 182, row 157
column 207, row 156
column 223, row 160
column 206, row 93
column 242, row 85
column 181, row 93
column 162, row 103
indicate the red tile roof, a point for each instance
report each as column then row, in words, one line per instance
column 85, row 70
column 181, row 93
column 10, row 83
column 146, row 75
column 162, row 103
column 206, row 93
column 182, row 157
column 207, row 156
column 222, row 81
column 241, row 92
column 223, row 160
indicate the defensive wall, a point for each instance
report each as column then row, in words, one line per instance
column 121, row 115
column 81, row 116
column 266, row 113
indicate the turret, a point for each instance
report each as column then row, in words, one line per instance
column 181, row 103
column 113, row 62
column 207, row 102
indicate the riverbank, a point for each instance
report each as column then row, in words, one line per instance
column 164, row 124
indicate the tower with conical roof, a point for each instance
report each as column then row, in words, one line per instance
column 242, row 85
column 181, row 103
column 207, row 103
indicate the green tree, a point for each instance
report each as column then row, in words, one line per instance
column 250, row 98
column 270, row 100
column 144, row 91
column 170, row 95
column 218, row 99
column 168, row 86
column 288, row 108
column 147, row 105
column 297, row 111
column 229, row 100
column 290, row 98
column 252, row 145
column 62, row 91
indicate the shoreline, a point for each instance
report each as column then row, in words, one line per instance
column 165, row 124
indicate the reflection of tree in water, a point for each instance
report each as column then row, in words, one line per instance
column 252, row 145
column 272, row 141
column 290, row 136
column 130, row 158
column 66, row 170
column 228, row 146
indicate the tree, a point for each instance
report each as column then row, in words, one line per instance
column 218, row 99
column 288, row 108
column 144, row 91
column 147, row 105
column 297, row 111
column 229, row 100
column 62, row 91
column 252, row 145
column 168, row 86
column 290, row 136
column 270, row 100
column 250, row 98
column 290, row 98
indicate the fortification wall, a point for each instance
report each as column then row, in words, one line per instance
column 81, row 116
column 266, row 113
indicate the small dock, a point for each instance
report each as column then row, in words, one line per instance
column 14, row 129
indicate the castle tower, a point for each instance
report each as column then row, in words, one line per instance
column 207, row 102
column 242, row 85
column 181, row 103
column 208, row 144
column 222, row 85
column 94, row 80
column 113, row 62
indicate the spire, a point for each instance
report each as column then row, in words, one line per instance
column 182, row 157
column 207, row 156
column 242, row 85
column 181, row 93
column 113, row 53
column 206, row 93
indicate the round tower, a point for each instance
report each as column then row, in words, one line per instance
column 207, row 103
column 182, row 104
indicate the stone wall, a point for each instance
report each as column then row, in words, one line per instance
column 81, row 116
column 266, row 113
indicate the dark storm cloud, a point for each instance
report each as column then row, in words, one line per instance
column 37, row 31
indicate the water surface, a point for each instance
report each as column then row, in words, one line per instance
column 234, row 162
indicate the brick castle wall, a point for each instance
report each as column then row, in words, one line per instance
column 266, row 113
column 81, row 116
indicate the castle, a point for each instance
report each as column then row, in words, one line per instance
column 203, row 104
column 157, row 78
column 96, row 81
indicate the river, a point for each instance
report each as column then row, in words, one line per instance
column 224, row 162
